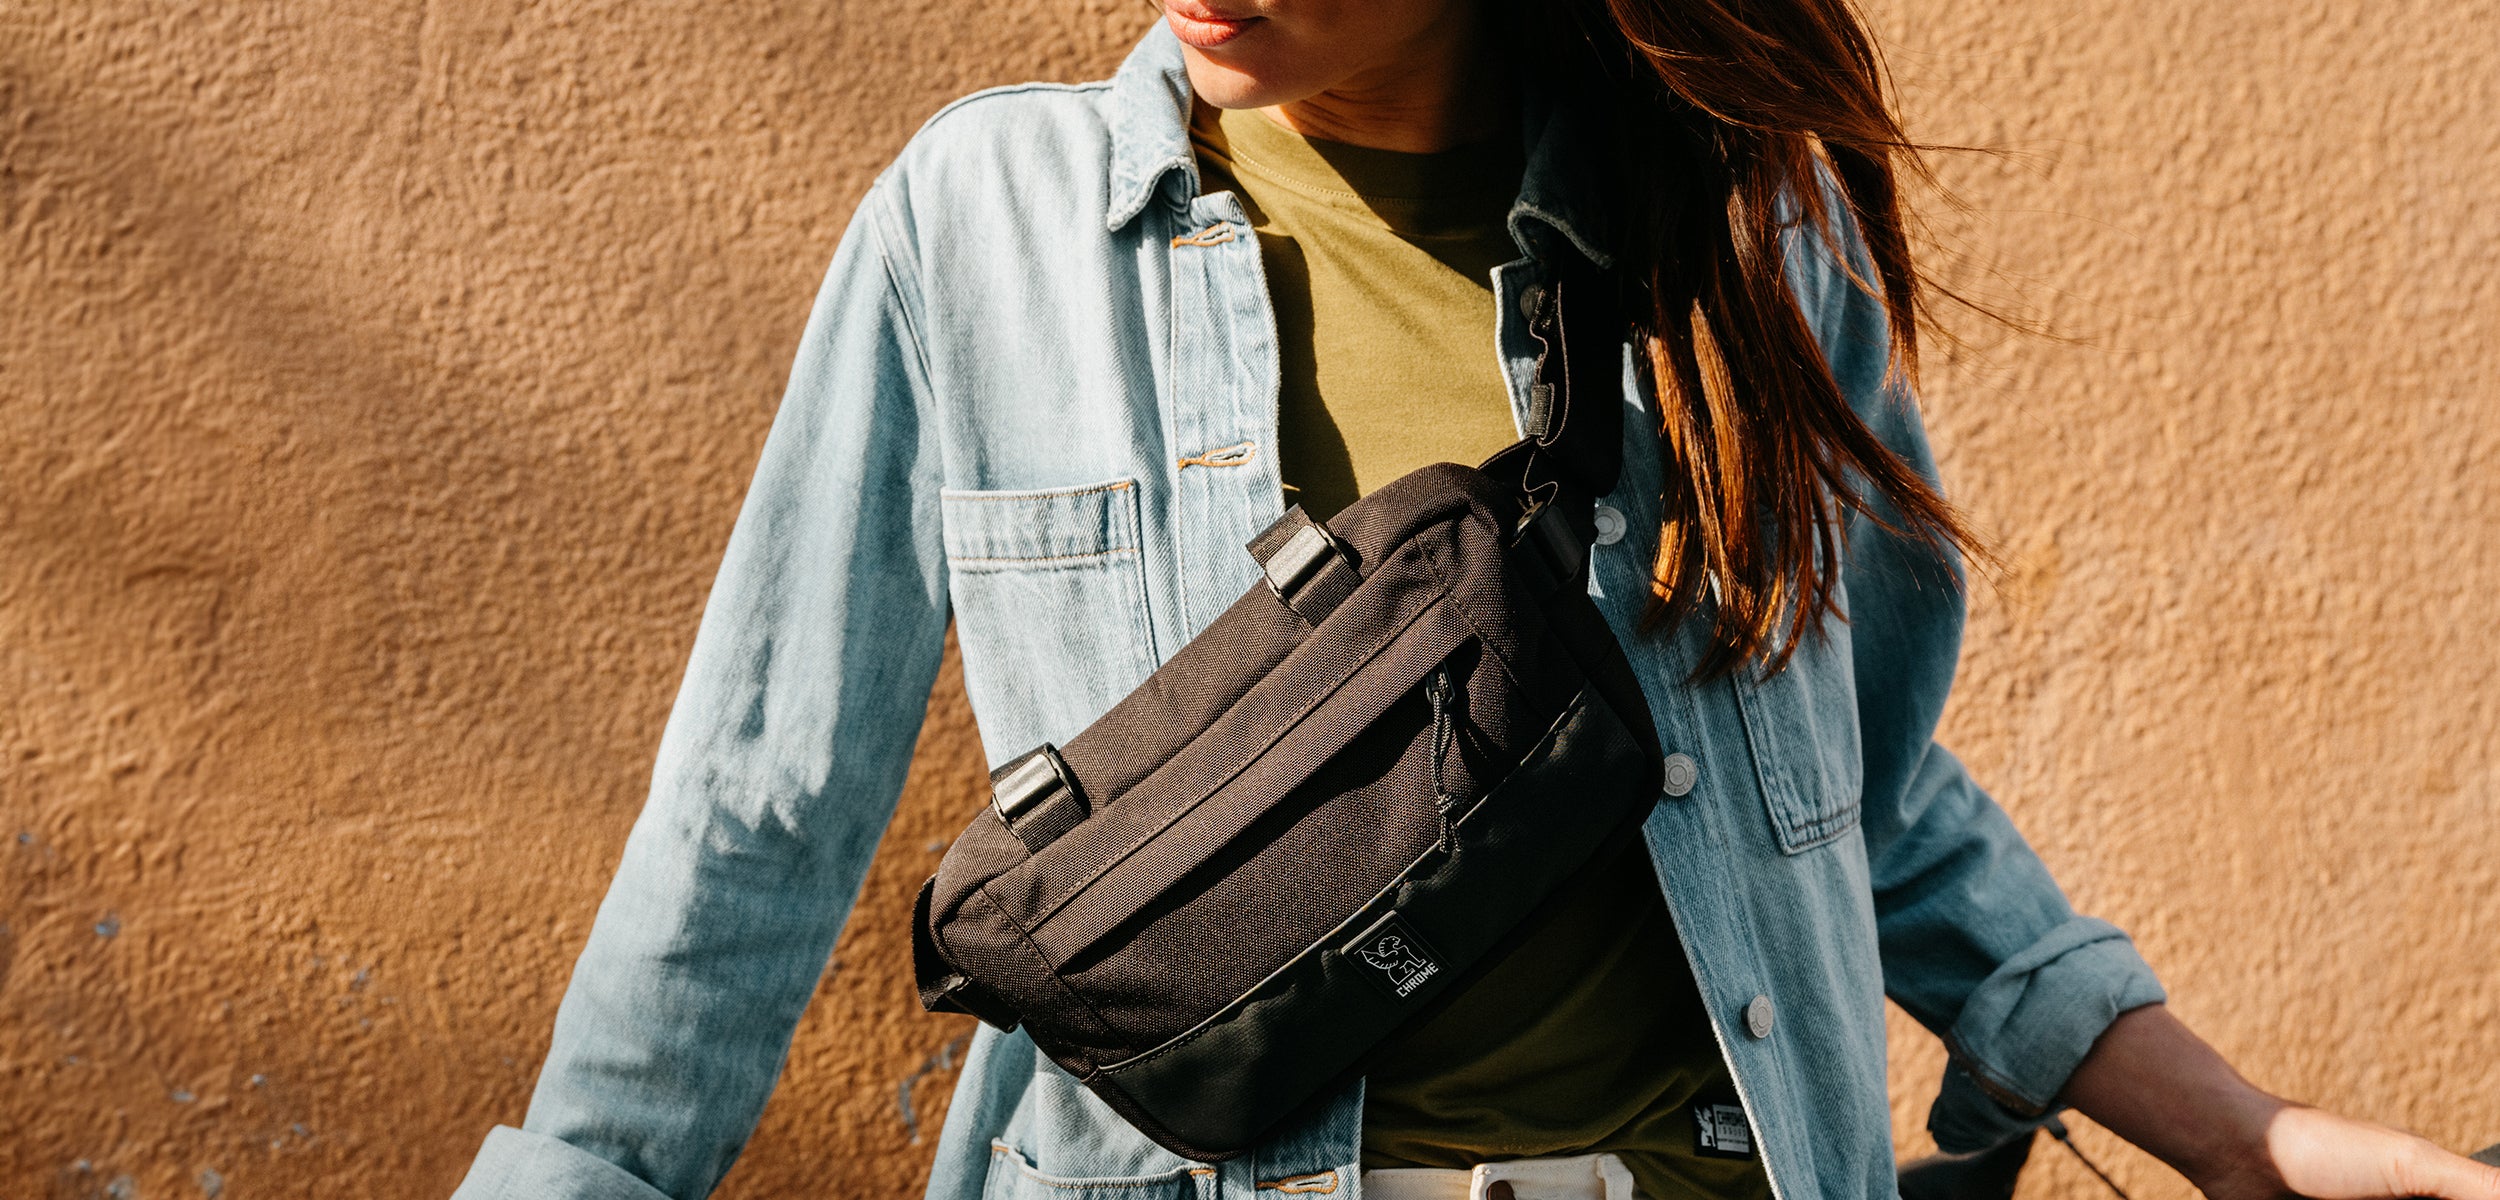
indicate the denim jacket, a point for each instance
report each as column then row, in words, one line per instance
column 1037, row 394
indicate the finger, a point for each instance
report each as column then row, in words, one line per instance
column 2426, row 1170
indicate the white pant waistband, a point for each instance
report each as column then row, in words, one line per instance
column 1582, row 1177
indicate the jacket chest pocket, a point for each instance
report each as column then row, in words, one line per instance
column 1049, row 593
column 1802, row 726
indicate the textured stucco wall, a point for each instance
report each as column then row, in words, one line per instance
column 378, row 382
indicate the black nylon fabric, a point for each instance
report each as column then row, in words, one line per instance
column 1270, row 1042
column 1179, row 941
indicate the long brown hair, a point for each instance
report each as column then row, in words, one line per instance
column 1728, row 120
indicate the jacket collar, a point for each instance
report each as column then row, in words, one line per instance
column 1149, row 116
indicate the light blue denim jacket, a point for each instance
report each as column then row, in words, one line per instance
column 1037, row 394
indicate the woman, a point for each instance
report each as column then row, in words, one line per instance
column 1075, row 348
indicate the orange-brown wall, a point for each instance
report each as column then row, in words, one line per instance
column 378, row 381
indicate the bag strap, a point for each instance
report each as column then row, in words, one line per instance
column 1573, row 451
column 1575, row 406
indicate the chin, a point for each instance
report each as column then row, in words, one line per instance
column 1242, row 82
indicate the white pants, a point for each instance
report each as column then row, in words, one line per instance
column 1584, row 1177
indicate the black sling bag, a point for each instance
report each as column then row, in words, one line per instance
column 1214, row 902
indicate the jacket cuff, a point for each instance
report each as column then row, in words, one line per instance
column 2025, row 1027
column 516, row 1164
column 1963, row 1120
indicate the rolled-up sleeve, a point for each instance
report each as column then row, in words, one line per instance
column 516, row 1164
column 779, row 768
column 1978, row 942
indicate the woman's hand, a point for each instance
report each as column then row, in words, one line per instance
column 2152, row 1081
column 2315, row 1153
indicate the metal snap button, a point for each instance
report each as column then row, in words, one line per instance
column 1610, row 525
column 1758, row 1017
column 1531, row 298
column 1681, row 774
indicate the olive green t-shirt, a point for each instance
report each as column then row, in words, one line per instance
column 1588, row 1035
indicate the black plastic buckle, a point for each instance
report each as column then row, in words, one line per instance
column 1297, row 560
column 1306, row 567
column 1556, row 546
column 1024, row 782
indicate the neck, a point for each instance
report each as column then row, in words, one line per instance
column 1439, row 90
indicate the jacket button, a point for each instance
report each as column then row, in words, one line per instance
column 1681, row 774
column 1758, row 1017
column 1610, row 525
column 1531, row 298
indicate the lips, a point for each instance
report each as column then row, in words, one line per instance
column 1201, row 27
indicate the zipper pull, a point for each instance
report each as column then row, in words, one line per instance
column 1437, row 690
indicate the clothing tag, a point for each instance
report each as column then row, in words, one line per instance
column 1720, row 1131
column 1390, row 955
